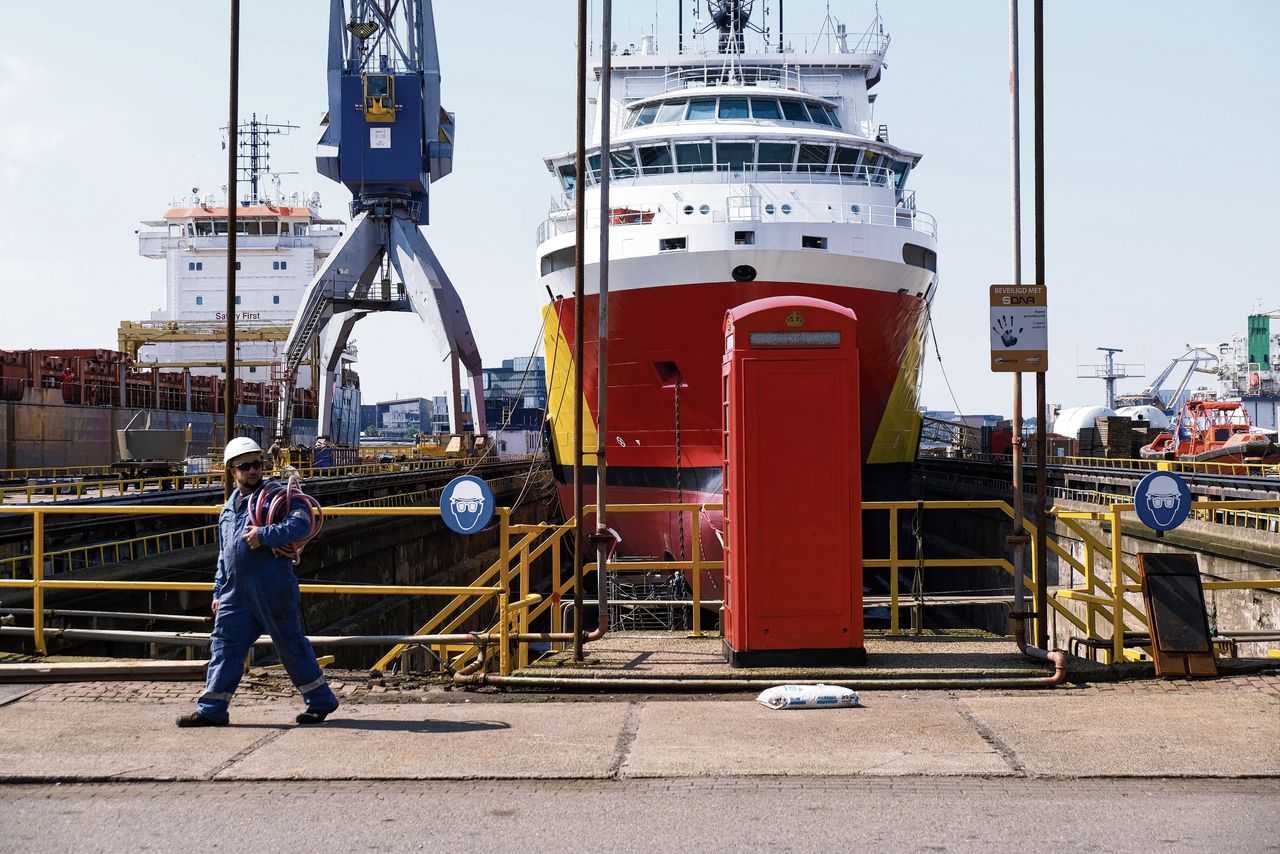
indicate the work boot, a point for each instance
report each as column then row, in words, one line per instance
column 313, row 716
column 197, row 719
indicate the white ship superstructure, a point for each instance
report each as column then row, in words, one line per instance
column 280, row 243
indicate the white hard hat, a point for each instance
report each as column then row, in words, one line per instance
column 238, row 447
column 467, row 490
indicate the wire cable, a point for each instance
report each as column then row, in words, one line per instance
column 943, row 367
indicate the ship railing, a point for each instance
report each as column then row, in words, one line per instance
column 871, row 44
column 751, row 208
column 716, row 73
column 164, row 242
column 754, row 173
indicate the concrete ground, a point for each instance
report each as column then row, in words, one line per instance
column 1104, row 763
column 403, row 729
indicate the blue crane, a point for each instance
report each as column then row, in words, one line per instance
column 386, row 138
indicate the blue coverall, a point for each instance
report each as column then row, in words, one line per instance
column 257, row 592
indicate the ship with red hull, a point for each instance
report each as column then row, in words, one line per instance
column 735, row 174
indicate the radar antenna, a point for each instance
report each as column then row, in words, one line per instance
column 731, row 18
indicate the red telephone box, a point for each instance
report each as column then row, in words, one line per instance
column 792, row 485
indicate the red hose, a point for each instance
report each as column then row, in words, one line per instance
column 272, row 504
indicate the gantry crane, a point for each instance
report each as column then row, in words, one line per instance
column 386, row 137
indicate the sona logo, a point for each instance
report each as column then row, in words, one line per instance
column 795, row 320
column 1018, row 300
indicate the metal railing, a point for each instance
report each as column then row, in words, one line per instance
column 757, row 210
column 1132, row 464
column 105, row 487
column 507, row 585
column 828, row 40
column 38, row 472
column 1104, row 595
column 40, row 586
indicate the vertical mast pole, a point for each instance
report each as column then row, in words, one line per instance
column 579, row 227
column 1042, row 583
column 1018, row 539
column 605, row 112
column 233, row 126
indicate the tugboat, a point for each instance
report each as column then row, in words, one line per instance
column 1213, row 431
column 743, row 166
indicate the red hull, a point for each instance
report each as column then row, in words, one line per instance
column 665, row 352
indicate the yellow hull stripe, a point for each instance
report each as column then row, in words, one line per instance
column 560, row 369
column 899, row 434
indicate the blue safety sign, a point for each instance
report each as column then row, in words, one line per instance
column 1162, row 501
column 466, row 504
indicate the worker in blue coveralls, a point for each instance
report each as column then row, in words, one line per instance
column 256, row 591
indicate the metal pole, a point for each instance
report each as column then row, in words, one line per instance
column 579, row 227
column 605, row 111
column 680, row 26
column 233, row 126
column 1042, row 557
column 780, row 41
column 1018, row 538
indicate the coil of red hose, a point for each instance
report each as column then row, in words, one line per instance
column 272, row 503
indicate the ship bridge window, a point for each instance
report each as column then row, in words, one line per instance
column 702, row 109
column 899, row 170
column 846, row 160
column 824, row 115
column 270, row 226
column 693, row 157
column 300, row 229
column 872, row 170
column 733, row 108
column 795, row 111
column 593, row 169
column 220, row 226
column 765, row 108
column 624, row 162
column 672, row 111
column 175, row 229
column 204, row 228
column 655, row 160
column 646, row 115
column 734, row 156
column 776, row 156
column 568, row 177
column 813, row 158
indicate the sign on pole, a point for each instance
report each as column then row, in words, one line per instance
column 1019, row 328
column 1162, row 501
column 466, row 504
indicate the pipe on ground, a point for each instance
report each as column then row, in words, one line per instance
column 622, row 683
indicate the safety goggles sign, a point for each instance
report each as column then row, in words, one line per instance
column 466, row 504
column 1019, row 328
column 1162, row 501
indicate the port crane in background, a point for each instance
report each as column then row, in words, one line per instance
column 1196, row 359
column 386, row 138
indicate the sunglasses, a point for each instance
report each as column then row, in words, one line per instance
column 249, row 466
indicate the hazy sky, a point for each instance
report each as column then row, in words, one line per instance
column 1161, row 120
